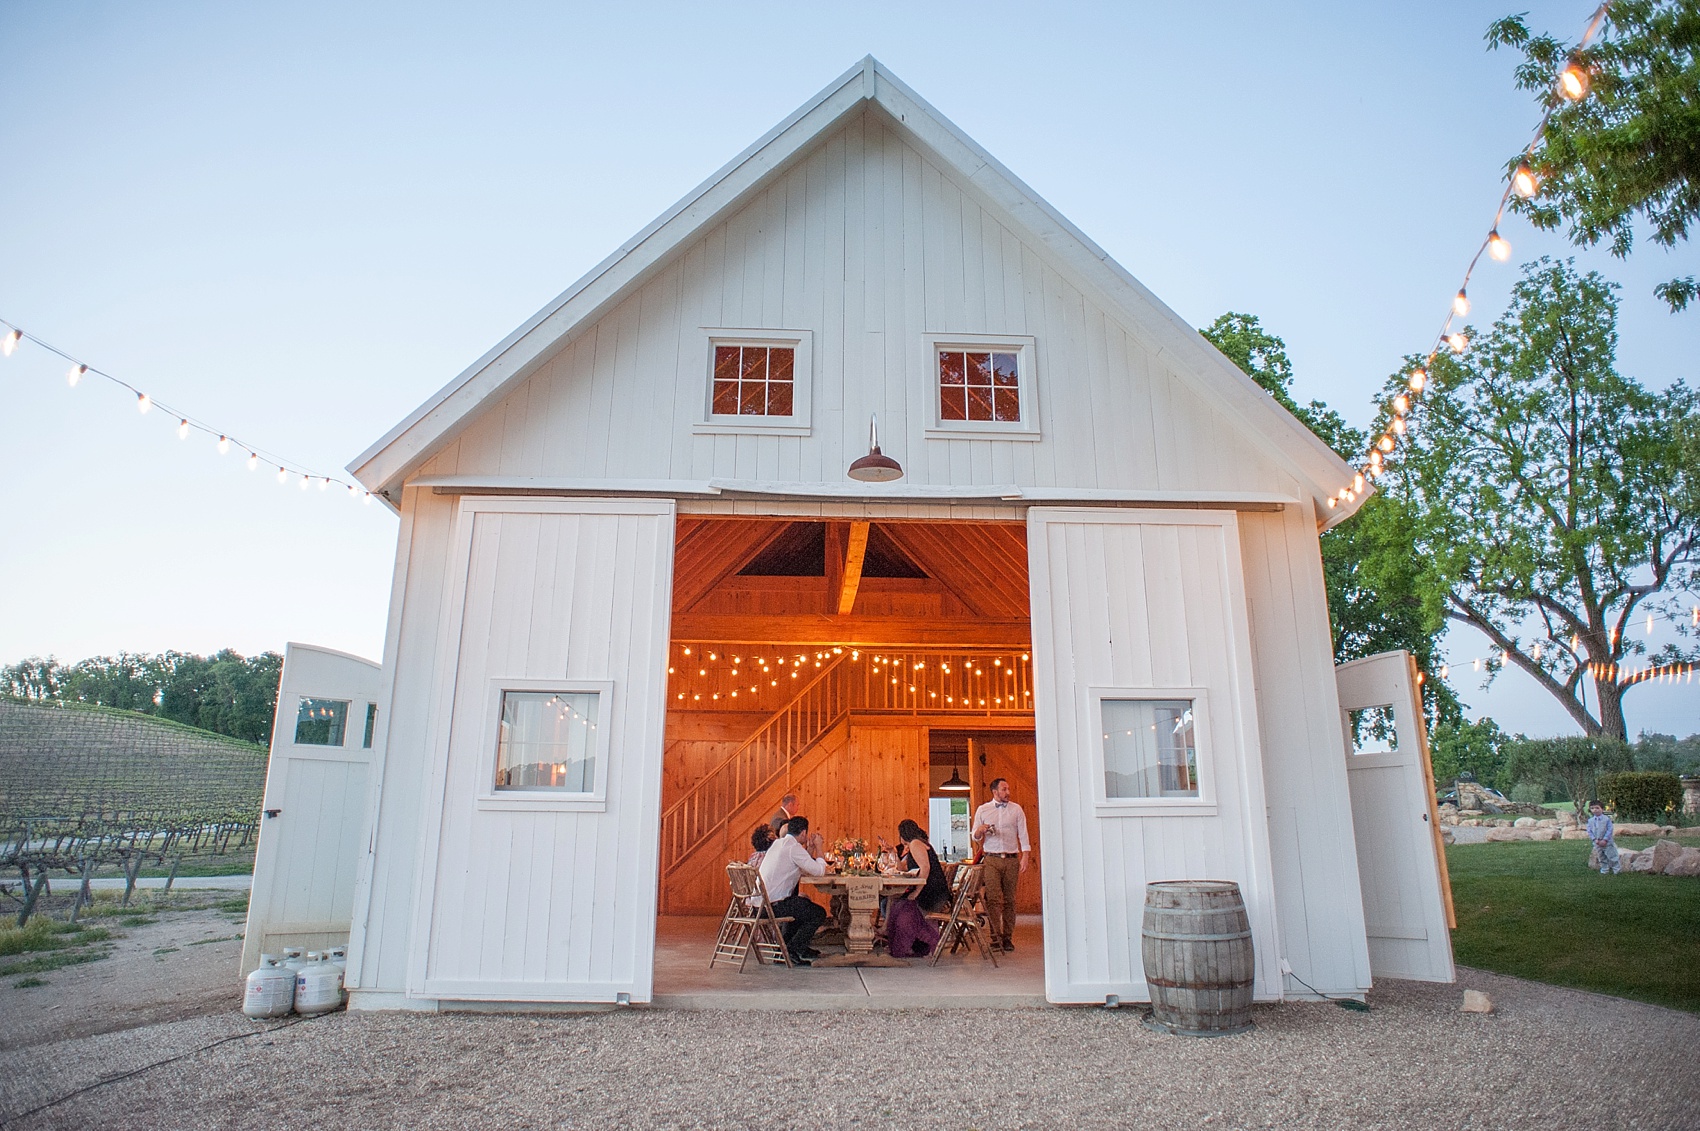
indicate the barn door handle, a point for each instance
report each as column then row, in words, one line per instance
column 1425, row 815
column 275, row 812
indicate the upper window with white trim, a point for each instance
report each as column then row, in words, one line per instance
column 758, row 381
column 982, row 384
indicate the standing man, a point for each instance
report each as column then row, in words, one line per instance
column 1000, row 827
column 787, row 810
column 790, row 857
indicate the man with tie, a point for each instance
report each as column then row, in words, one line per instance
column 1000, row 827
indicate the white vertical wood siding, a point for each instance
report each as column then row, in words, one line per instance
column 1124, row 599
column 871, row 245
column 1311, row 846
column 305, row 863
column 546, row 905
column 1404, row 908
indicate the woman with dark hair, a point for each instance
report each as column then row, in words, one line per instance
column 908, row 930
column 761, row 840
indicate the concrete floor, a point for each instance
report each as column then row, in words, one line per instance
column 963, row 980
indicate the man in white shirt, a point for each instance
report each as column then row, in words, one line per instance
column 1000, row 827
column 785, row 863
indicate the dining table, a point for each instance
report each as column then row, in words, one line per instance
column 862, row 895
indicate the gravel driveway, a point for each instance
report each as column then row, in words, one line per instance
column 1549, row 1057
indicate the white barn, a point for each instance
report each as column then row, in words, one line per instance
column 637, row 598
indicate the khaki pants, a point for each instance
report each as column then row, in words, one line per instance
column 1001, row 875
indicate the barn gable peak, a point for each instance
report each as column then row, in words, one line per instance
column 436, row 422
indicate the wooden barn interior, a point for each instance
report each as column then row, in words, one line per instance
column 868, row 667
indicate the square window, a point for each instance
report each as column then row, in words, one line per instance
column 1373, row 730
column 756, row 385
column 321, row 722
column 547, row 741
column 982, row 384
column 1150, row 748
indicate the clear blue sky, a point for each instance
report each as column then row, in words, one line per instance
column 298, row 220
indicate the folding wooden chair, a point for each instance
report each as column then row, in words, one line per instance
column 749, row 923
column 966, row 920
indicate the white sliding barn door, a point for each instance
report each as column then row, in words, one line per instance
column 314, row 822
column 1400, row 862
column 529, row 892
column 1132, row 605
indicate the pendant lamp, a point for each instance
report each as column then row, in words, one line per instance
column 876, row 466
column 954, row 783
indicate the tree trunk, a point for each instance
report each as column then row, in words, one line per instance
column 1612, row 723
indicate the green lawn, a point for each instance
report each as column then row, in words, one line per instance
column 1536, row 911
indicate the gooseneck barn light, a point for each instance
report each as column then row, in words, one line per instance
column 876, row 466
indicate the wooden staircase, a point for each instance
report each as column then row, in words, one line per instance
column 765, row 762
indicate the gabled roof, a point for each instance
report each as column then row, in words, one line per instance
column 383, row 467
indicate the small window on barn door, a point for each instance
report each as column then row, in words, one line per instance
column 982, row 384
column 1150, row 748
column 321, row 722
column 757, row 382
column 548, row 741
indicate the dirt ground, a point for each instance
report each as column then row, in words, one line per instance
column 149, row 1040
column 183, row 964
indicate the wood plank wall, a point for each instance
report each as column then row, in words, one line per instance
column 870, row 245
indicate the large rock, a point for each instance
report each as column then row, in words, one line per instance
column 1446, row 837
column 1567, row 818
column 1688, row 864
column 1500, row 834
column 1524, row 822
column 1477, row 1002
column 1543, row 834
column 1662, row 855
column 1643, row 830
column 1575, row 834
column 1469, row 812
column 1470, row 823
column 1636, row 861
column 1449, row 819
column 1548, row 823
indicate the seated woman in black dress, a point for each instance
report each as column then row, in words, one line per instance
column 908, row 930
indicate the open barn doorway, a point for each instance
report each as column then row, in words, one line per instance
column 852, row 664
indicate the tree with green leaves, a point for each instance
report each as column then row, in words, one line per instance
column 1477, row 749
column 1627, row 152
column 1369, row 563
column 1554, row 502
column 1571, row 765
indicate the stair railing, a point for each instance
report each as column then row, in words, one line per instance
column 757, row 765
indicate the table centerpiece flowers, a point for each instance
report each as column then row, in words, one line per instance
column 853, row 856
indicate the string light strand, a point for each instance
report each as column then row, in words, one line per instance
column 186, row 422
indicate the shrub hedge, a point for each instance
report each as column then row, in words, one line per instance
column 1637, row 795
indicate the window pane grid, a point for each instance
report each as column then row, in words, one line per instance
column 979, row 385
column 1150, row 748
column 548, row 741
column 754, row 380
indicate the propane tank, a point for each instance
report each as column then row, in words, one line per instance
column 338, row 956
column 318, row 986
column 270, row 990
column 292, row 958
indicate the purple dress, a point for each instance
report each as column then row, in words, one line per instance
column 909, row 933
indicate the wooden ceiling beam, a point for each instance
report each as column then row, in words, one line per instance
column 857, row 631
column 854, row 553
column 920, row 550
column 713, row 552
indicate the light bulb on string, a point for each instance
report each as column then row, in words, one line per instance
column 1419, row 378
column 282, row 476
column 1498, row 246
column 1523, row 182
column 1401, row 404
column 1460, row 303
column 1457, row 341
column 1573, row 81
column 1358, row 482
column 143, row 403
column 75, row 374
column 10, row 342
column 368, row 498
column 253, row 462
column 323, row 483
column 1385, row 443
column 224, row 445
column 182, row 429
column 1399, row 425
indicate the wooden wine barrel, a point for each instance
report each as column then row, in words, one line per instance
column 1196, row 944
